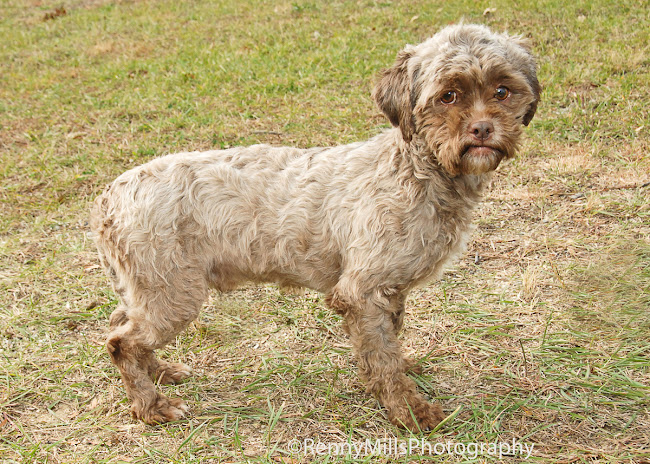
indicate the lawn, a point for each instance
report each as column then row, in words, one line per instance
column 540, row 334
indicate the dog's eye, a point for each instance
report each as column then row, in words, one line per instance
column 502, row 93
column 448, row 97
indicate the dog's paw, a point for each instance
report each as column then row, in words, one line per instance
column 171, row 373
column 419, row 416
column 163, row 410
column 412, row 366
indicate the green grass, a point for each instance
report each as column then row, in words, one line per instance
column 545, row 338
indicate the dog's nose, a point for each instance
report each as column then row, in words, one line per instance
column 481, row 130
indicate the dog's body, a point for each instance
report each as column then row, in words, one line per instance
column 362, row 223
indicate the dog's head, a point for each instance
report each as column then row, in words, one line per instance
column 466, row 92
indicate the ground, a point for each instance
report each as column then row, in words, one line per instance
column 541, row 333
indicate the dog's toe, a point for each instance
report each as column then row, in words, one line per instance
column 172, row 373
column 163, row 410
column 413, row 366
column 418, row 417
column 181, row 406
column 429, row 416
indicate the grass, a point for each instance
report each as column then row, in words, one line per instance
column 541, row 333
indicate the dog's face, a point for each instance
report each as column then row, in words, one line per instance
column 466, row 92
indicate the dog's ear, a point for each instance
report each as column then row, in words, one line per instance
column 530, row 71
column 537, row 90
column 394, row 94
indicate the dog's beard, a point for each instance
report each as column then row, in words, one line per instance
column 459, row 155
column 479, row 159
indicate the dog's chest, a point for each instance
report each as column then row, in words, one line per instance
column 443, row 238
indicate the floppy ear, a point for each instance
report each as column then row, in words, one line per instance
column 537, row 90
column 394, row 94
column 530, row 71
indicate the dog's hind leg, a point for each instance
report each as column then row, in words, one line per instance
column 149, row 318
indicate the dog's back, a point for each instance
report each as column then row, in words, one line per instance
column 252, row 213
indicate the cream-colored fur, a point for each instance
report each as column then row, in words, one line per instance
column 363, row 223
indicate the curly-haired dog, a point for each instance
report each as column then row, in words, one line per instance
column 362, row 223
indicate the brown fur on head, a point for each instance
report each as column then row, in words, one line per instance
column 465, row 92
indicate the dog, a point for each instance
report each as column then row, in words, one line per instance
column 362, row 223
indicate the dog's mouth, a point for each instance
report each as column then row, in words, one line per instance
column 482, row 150
column 479, row 159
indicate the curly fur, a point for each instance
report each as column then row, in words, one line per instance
column 363, row 223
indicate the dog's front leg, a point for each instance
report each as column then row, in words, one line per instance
column 370, row 320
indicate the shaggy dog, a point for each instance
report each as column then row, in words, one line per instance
column 362, row 223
